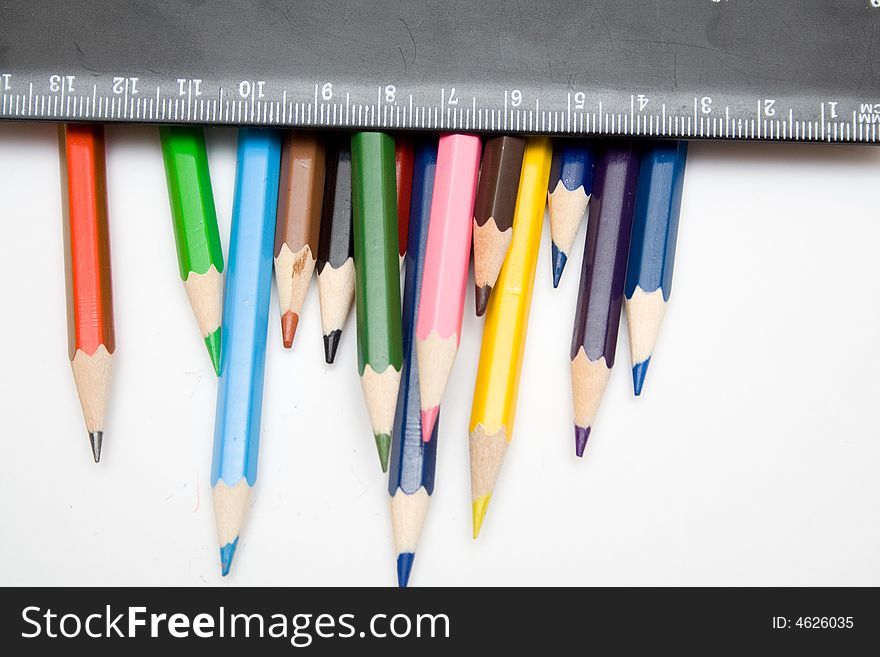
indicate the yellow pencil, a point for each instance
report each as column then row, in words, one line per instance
column 504, row 334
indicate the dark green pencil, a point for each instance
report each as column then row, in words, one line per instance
column 377, row 280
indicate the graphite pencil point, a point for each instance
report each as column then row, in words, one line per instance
column 96, row 440
column 331, row 344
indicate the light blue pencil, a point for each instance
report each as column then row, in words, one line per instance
column 245, row 322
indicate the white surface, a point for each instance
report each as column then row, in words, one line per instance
column 752, row 458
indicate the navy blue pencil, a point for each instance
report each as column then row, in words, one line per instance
column 652, row 249
column 411, row 479
column 568, row 194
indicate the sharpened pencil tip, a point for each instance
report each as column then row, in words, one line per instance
column 331, row 344
column 640, row 371
column 226, row 553
column 213, row 342
column 558, row 261
column 96, row 440
column 383, row 445
column 480, row 505
column 481, row 295
column 429, row 419
column 581, row 436
column 404, row 568
column 289, row 321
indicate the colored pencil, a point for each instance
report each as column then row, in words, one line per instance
column 194, row 219
column 411, row 478
column 569, row 189
column 447, row 257
column 377, row 280
column 493, row 212
column 652, row 250
column 91, row 339
column 403, row 172
column 335, row 252
column 504, row 332
column 603, row 272
column 245, row 322
column 298, row 225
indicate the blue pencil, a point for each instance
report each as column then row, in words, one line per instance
column 245, row 320
column 652, row 249
column 411, row 480
column 568, row 193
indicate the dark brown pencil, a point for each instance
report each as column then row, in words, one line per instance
column 493, row 212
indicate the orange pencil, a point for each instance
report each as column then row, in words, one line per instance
column 91, row 339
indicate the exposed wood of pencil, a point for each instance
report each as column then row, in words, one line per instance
column 205, row 294
column 298, row 224
column 91, row 337
column 407, row 517
column 493, row 212
column 380, row 392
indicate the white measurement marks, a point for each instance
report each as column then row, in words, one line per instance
column 388, row 108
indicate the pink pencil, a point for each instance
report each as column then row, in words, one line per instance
column 447, row 257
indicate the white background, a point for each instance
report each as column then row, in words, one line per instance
column 752, row 458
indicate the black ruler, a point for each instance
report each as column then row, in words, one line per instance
column 796, row 70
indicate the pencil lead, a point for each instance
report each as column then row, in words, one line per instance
column 212, row 342
column 226, row 554
column 581, row 435
column 383, row 445
column 481, row 294
column 640, row 370
column 96, row 440
column 480, row 505
column 558, row 261
column 331, row 343
column 404, row 568
column 289, row 321
column 429, row 419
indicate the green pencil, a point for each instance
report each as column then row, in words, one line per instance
column 377, row 280
column 199, row 253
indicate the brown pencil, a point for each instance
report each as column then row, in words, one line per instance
column 493, row 212
column 298, row 224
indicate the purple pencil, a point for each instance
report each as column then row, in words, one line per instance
column 603, row 273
